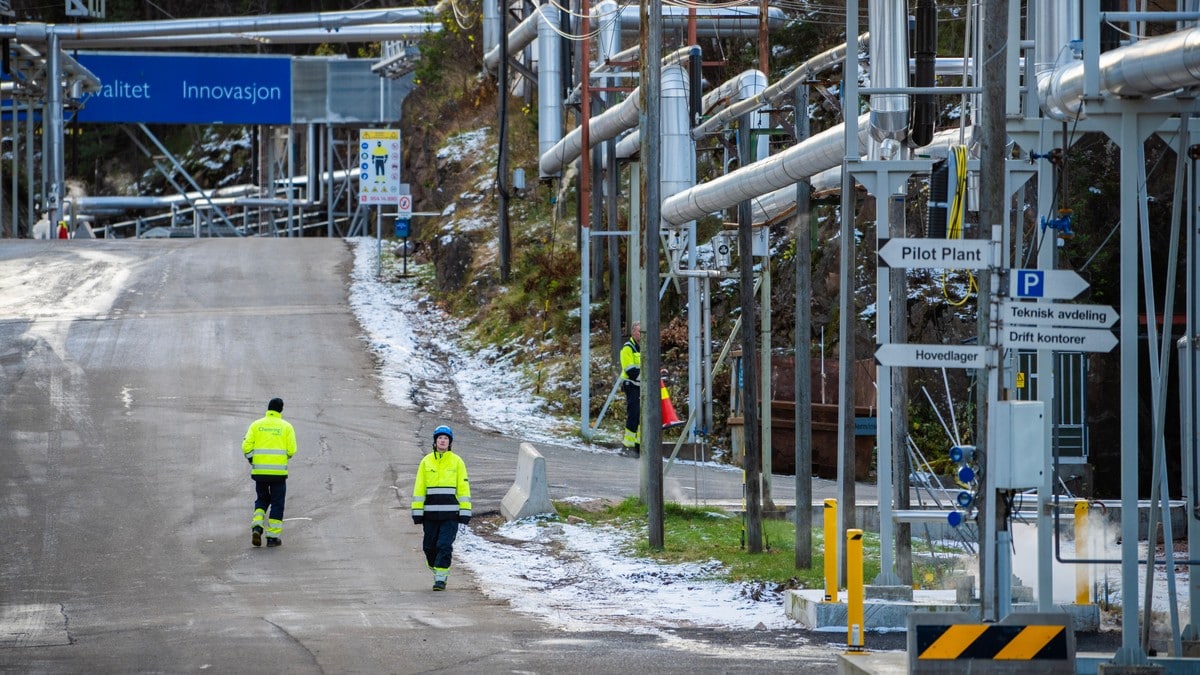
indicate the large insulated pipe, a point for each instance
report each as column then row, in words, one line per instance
column 775, row 204
column 491, row 24
column 678, row 148
column 774, row 94
column 605, row 16
column 1150, row 67
column 747, row 85
column 368, row 33
column 710, row 22
column 518, row 39
column 888, row 22
column 603, row 127
column 820, row 152
column 550, row 103
column 1055, row 25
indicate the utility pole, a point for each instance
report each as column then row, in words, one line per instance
column 651, row 151
column 802, row 378
column 752, row 457
column 991, row 212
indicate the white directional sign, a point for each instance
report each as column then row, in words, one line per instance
column 932, row 356
column 1057, row 314
column 1057, row 339
column 970, row 254
column 1050, row 284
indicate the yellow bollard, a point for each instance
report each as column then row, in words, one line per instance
column 854, row 590
column 831, row 544
column 1083, row 595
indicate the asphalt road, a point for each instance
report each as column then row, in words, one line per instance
column 125, row 502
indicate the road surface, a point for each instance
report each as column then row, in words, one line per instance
column 129, row 371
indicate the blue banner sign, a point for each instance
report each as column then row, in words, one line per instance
column 188, row 88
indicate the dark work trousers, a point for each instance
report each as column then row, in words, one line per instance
column 633, row 405
column 439, row 541
column 270, row 492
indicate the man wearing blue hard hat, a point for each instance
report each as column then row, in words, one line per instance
column 441, row 502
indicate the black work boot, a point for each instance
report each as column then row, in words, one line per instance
column 256, row 535
column 274, row 541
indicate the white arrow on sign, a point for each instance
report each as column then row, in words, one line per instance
column 1050, row 284
column 971, row 254
column 931, row 356
column 1058, row 339
column 1057, row 314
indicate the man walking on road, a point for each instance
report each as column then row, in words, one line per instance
column 441, row 502
column 269, row 443
column 631, row 370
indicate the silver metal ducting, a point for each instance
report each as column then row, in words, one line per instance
column 772, row 205
column 773, row 95
column 518, row 39
column 605, row 16
column 1055, row 25
column 368, row 33
column 888, row 22
column 710, row 22
column 820, row 152
column 610, row 124
column 678, row 148
column 330, row 21
column 492, row 24
column 1150, row 67
column 549, row 72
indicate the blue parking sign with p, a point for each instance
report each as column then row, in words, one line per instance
column 1031, row 283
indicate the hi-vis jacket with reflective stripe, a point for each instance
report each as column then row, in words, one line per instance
column 269, row 443
column 631, row 360
column 442, row 491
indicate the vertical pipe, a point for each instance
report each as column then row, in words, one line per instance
column 854, row 590
column 845, row 464
column 16, row 159
column 831, row 549
column 52, row 132
column 33, row 179
column 1130, row 140
column 550, row 122
column 764, row 350
column 291, row 180
column 491, row 25
column 327, row 179
column 1082, row 550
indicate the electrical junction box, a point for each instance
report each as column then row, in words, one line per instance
column 1020, row 444
column 760, row 241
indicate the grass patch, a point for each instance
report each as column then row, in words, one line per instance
column 696, row 534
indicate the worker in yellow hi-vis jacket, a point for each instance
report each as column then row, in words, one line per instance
column 441, row 502
column 269, row 443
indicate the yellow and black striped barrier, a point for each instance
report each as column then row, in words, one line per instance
column 1022, row 643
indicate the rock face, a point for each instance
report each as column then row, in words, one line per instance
column 452, row 258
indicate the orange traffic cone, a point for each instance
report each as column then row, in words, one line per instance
column 669, row 418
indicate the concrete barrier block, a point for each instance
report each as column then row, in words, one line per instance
column 530, row 493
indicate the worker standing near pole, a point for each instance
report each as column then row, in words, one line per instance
column 268, row 445
column 441, row 502
column 631, row 371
